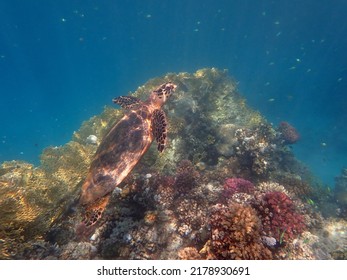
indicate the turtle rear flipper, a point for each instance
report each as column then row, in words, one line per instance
column 127, row 102
column 92, row 215
column 159, row 128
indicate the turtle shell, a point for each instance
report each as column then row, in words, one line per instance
column 121, row 149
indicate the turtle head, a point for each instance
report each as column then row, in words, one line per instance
column 162, row 93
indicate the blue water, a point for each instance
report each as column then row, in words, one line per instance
column 62, row 61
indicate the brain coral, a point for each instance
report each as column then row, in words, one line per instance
column 235, row 233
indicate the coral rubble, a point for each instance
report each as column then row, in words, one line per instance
column 226, row 187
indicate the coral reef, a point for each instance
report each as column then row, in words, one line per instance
column 294, row 184
column 255, row 149
column 236, row 233
column 227, row 186
column 269, row 186
column 189, row 253
column 279, row 217
column 335, row 238
column 186, row 176
column 237, row 185
column 288, row 133
column 32, row 198
column 340, row 191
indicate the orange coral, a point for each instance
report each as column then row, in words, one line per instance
column 236, row 233
column 189, row 253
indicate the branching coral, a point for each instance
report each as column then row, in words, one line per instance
column 191, row 214
column 164, row 190
column 279, row 217
column 237, row 190
column 189, row 253
column 256, row 148
column 295, row 185
column 237, row 185
column 186, row 177
column 269, row 186
column 235, row 233
column 164, row 208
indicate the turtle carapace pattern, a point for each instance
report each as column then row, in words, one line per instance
column 122, row 148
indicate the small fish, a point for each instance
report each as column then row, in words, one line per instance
column 310, row 201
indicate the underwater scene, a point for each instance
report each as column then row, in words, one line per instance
column 186, row 130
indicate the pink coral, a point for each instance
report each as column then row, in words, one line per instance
column 237, row 185
column 289, row 134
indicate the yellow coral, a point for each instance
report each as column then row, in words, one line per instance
column 256, row 119
column 199, row 73
column 32, row 198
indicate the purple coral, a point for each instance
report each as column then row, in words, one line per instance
column 237, row 185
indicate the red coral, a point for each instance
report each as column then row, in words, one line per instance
column 288, row 133
column 237, row 185
column 279, row 218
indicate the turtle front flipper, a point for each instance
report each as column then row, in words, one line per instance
column 159, row 128
column 127, row 102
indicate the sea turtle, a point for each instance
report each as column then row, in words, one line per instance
column 122, row 148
